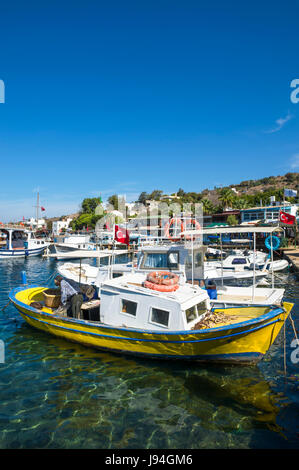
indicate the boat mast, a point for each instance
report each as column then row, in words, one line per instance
column 37, row 205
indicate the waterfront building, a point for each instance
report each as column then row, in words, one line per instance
column 267, row 214
column 59, row 225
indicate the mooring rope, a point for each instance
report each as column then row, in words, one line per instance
column 293, row 325
column 2, row 309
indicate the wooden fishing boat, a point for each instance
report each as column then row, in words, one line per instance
column 133, row 319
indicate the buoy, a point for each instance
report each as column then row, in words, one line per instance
column 275, row 242
column 177, row 223
column 24, row 277
column 163, row 281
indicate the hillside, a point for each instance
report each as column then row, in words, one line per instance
column 254, row 187
column 247, row 193
column 289, row 181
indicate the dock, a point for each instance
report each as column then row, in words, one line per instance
column 79, row 254
column 292, row 256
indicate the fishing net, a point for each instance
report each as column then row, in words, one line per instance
column 212, row 319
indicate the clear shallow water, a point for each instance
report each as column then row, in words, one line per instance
column 55, row 394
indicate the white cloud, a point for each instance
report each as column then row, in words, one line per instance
column 280, row 123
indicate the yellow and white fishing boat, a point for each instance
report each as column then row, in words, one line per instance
column 133, row 319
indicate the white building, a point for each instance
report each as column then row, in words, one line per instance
column 39, row 224
column 59, row 225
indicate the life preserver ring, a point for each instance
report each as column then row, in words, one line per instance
column 160, row 287
column 163, row 281
column 163, row 277
column 168, row 226
column 195, row 224
column 275, row 242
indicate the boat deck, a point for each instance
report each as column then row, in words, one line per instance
column 217, row 318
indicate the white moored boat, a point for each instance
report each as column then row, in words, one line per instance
column 177, row 259
column 21, row 242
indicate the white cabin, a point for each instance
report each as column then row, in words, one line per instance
column 21, row 242
column 126, row 303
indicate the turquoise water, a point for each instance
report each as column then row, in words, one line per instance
column 54, row 394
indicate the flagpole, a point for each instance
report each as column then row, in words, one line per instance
column 284, row 199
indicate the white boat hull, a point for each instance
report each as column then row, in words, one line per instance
column 22, row 253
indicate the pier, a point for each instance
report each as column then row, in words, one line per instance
column 292, row 256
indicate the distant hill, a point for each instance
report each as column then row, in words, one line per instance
column 289, row 181
column 252, row 187
column 247, row 193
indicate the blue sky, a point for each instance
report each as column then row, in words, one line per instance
column 123, row 97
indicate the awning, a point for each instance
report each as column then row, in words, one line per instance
column 215, row 230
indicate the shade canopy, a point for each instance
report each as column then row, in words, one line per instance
column 238, row 229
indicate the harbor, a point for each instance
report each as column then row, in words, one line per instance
column 67, row 395
column 106, row 389
column 149, row 242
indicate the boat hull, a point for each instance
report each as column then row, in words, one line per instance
column 22, row 253
column 241, row 343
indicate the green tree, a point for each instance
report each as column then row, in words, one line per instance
column 232, row 220
column 240, row 203
column 113, row 200
column 89, row 204
column 156, row 195
column 84, row 220
column 226, row 197
column 143, row 197
column 207, row 206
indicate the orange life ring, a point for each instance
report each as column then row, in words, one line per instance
column 168, row 226
column 163, row 281
column 195, row 224
column 160, row 287
column 165, row 278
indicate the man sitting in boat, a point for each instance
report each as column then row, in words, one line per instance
column 71, row 298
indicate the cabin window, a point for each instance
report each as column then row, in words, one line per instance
column 195, row 311
column 161, row 260
column 173, row 260
column 201, row 308
column 239, row 261
column 196, row 258
column 191, row 314
column 129, row 307
column 161, row 317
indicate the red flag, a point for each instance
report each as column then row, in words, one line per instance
column 121, row 235
column 286, row 218
column 42, row 208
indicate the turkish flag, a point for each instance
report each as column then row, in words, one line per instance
column 286, row 218
column 43, row 209
column 121, row 235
